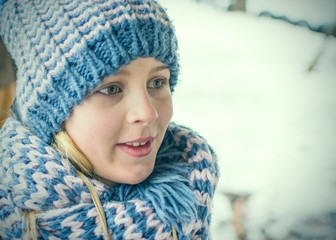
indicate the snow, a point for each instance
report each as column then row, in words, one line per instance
column 245, row 87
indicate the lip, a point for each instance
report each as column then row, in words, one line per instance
column 138, row 151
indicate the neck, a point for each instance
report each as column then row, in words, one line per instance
column 106, row 181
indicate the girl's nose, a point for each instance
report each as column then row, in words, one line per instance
column 141, row 109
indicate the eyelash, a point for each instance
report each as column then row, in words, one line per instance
column 164, row 81
column 105, row 90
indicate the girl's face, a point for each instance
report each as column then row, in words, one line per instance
column 121, row 125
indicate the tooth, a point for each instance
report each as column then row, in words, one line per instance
column 136, row 144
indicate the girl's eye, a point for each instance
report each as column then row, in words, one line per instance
column 110, row 90
column 157, row 83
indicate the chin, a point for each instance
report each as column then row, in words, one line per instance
column 137, row 177
column 135, row 181
column 132, row 180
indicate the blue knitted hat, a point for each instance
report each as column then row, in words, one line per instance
column 64, row 48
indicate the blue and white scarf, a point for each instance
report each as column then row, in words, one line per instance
column 34, row 177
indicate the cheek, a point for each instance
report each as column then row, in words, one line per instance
column 90, row 128
column 165, row 110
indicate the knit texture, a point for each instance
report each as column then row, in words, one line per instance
column 64, row 48
column 179, row 192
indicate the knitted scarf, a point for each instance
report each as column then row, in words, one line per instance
column 34, row 177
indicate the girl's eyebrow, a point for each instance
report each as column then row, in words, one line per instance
column 159, row 68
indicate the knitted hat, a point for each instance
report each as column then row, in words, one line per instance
column 64, row 48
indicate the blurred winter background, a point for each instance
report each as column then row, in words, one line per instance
column 258, row 81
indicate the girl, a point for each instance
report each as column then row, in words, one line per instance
column 90, row 152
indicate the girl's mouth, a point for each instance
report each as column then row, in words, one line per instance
column 137, row 148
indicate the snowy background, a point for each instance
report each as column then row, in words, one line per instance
column 245, row 86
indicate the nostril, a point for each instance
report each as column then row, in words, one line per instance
column 142, row 111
